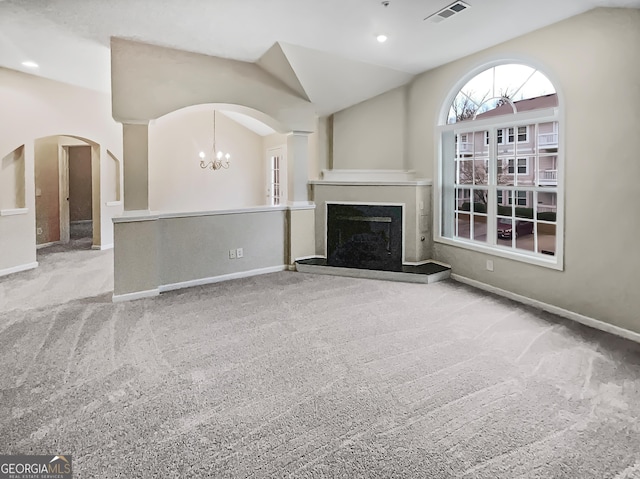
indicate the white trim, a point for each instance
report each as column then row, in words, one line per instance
column 46, row 245
column 217, row 279
column 565, row 313
column 113, row 203
column 19, row 268
column 150, row 293
column 143, row 215
column 539, row 259
column 541, row 115
column 14, row 211
column 301, row 205
column 364, row 203
column 423, row 182
column 102, row 247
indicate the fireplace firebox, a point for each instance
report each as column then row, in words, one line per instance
column 364, row 236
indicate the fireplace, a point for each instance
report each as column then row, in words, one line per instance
column 364, row 236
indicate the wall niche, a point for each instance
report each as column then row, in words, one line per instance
column 12, row 182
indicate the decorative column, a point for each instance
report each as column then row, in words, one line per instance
column 136, row 166
column 301, row 214
column 298, row 166
column 136, row 263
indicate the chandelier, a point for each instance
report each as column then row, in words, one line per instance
column 217, row 159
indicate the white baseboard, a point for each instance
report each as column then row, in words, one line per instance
column 46, row 245
column 19, row 268
column 119, row 298
column 217, row 279
column 102, row 246
column 565, row 313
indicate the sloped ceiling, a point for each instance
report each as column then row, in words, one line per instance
column 331, row 82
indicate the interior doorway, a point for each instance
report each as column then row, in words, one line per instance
column 80, row 193
column 276, row 176
column 64, row 170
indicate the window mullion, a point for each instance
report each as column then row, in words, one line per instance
column 492, row 186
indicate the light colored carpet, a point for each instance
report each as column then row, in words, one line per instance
column 294, row 375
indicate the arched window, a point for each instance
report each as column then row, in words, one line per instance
column 500, row 167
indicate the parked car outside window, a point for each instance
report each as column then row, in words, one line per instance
column 505, row 228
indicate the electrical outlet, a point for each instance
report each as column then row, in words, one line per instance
column 232, row 254
column 239, row 253
column 489, row 265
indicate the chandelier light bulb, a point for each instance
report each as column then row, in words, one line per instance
column 227, row 156
column 202, row 155
column 219, row 155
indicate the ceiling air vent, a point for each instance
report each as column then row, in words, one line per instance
column 447, row 12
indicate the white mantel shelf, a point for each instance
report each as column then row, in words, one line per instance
column 370, row 178
column 372, row 183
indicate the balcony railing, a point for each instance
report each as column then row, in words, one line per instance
column 465, row 147
column 546, row 208
column 548, row 140
column 548, row 177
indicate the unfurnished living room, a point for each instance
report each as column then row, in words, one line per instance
column 319, row 239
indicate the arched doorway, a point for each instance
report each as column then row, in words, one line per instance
column 67, row 176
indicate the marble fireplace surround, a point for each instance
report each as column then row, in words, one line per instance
column 378, row 187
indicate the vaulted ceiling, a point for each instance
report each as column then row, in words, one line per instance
column 325, row 50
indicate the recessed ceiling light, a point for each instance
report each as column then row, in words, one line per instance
column 381, row 38
column 30, row 64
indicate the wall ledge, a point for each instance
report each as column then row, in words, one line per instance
column 565, row 313
column 18, row 269
column 137, row 216
column 14, row 211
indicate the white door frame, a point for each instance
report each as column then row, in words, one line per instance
column 63, row 191
column 280, row 151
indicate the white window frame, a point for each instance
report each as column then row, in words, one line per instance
column 491, row 247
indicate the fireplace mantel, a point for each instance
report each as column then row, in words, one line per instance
column 371, row 177
column 379, row 187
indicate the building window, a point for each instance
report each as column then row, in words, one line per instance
column 522, row 166
column 503, row 197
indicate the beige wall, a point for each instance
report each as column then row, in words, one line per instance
column 370, row 135
column 176, row 181
column 47, row 180
column 33, row 108
column 592, row 59
column 150, row 81
column 589, row 58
